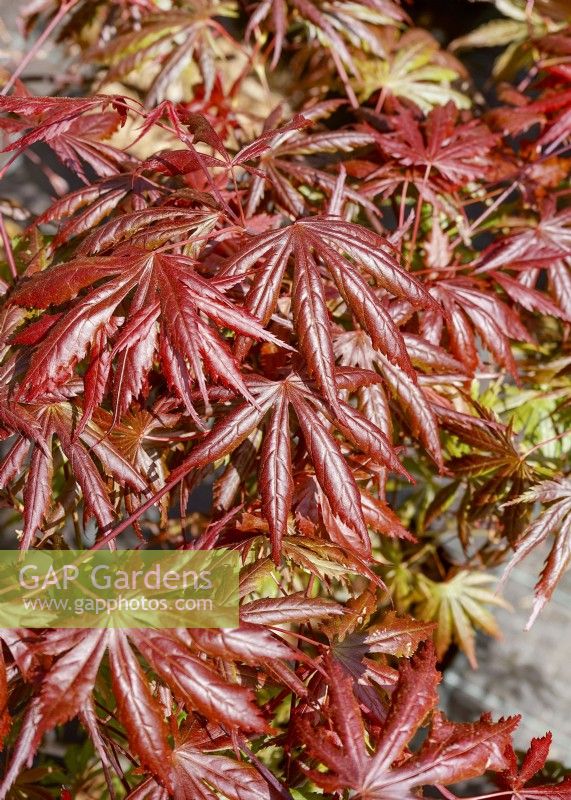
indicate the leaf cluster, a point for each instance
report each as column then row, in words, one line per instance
column 304, row 268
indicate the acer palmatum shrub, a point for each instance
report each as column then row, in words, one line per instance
column 296, row 255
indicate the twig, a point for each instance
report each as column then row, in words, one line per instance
column 8, row 249
column 42, row 38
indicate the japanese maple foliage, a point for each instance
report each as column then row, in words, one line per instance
column 294, row 261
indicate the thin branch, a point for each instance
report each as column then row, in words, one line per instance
column 38, row 44
column 8, row 249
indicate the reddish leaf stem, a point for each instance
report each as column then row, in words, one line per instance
column 42, row 38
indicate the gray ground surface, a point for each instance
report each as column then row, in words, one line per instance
column 527, row 673
column 524, row 672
